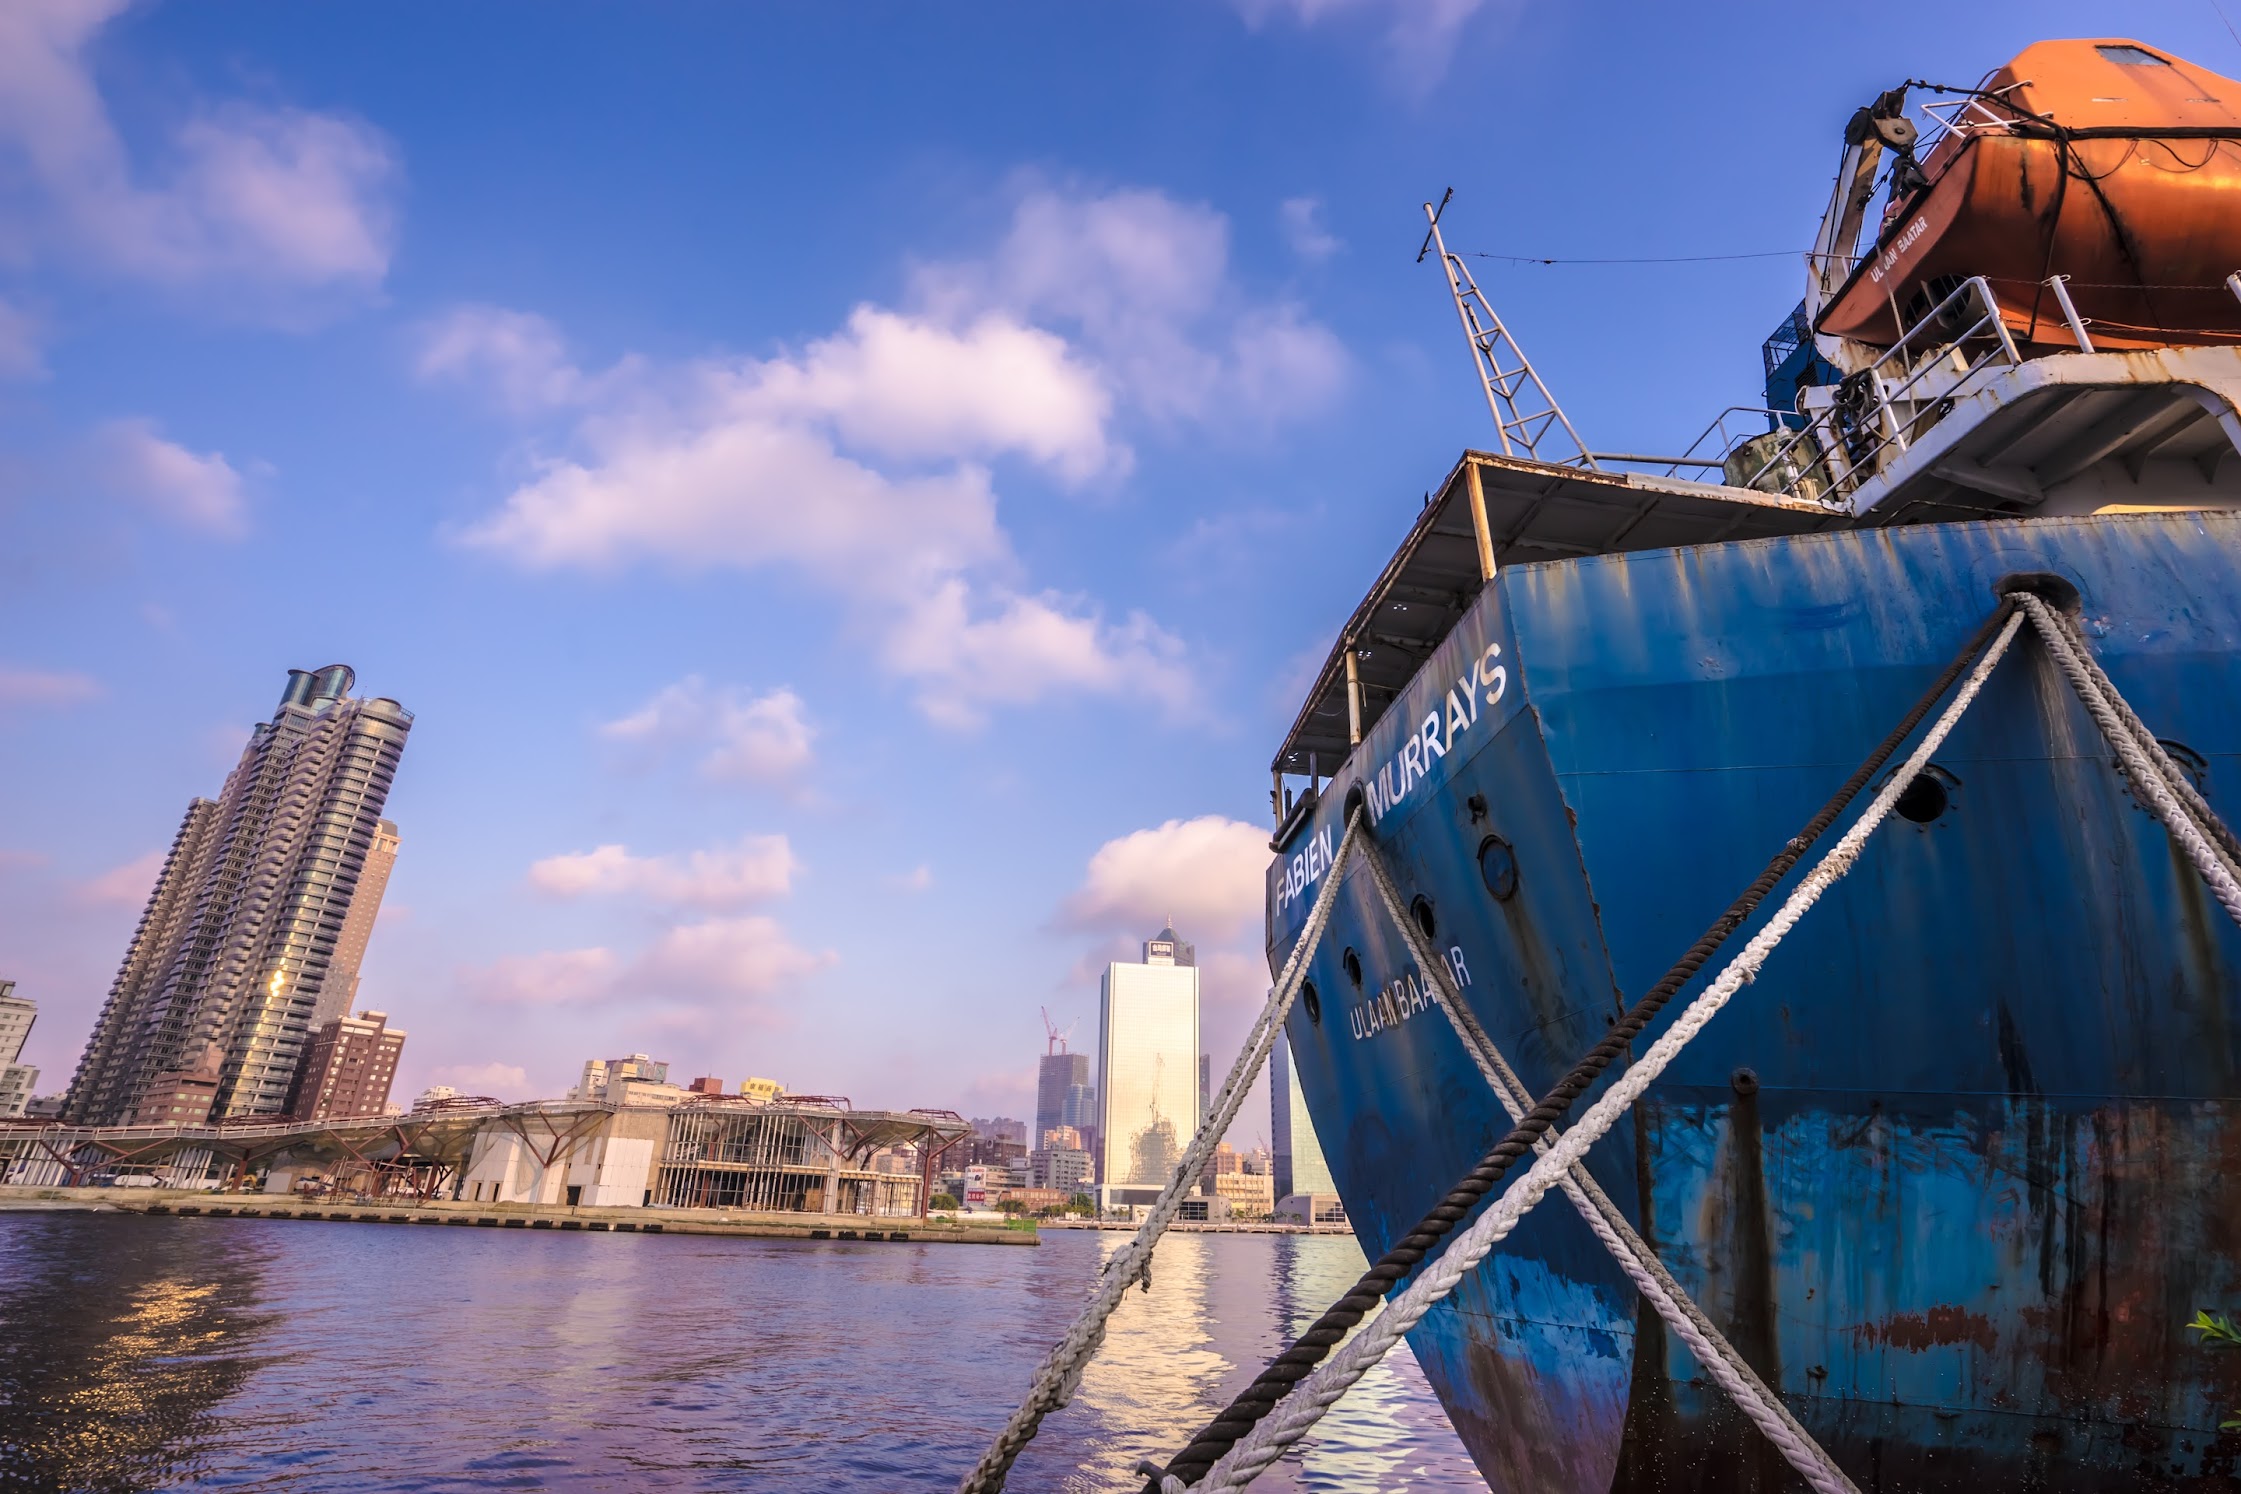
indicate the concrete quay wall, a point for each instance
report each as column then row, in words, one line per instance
column 194, row 1203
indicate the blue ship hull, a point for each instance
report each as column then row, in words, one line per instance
column 1955, row 1170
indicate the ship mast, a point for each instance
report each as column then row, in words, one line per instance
column 1525, row 414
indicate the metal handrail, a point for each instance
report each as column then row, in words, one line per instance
column 1849, row 468
column 1716, row 456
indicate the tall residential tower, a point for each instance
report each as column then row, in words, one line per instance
column 242, row 952
column 17, row 1013
column 1147, row 1079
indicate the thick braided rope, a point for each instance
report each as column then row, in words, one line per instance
column 2181, row 786
column 1308, row 1350
column 1728, row 1368
column 1061, row 1371
column 2149, row 780
column 1321, row 1390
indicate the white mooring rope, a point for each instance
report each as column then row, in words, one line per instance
column 2150, row 768
column 1315, row 1395
column 1728, row 1369
column 2173, row 774
column 1061, row 1371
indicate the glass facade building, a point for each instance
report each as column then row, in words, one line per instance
column 1298, row 1156
column 1058, row 1076
column 1147, row 1070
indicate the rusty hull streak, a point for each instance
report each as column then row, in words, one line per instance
column 1922, row 1330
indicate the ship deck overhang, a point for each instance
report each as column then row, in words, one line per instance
column 1535, row 511
column 2069, row 434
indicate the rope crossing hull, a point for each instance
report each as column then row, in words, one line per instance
column 1953, row 1171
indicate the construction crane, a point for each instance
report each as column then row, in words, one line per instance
column 1056, row 1040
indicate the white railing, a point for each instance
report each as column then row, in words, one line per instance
column 1709, row 451
column 1895, row 399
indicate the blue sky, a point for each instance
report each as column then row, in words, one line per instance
column 852, row 494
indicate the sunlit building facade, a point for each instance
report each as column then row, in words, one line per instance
column 365, row 907
column 352, row 1063
column 1147, row 1070
column 1299, row 1163
column 235, row 962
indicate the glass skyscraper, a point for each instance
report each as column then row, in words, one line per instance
column 1056, row 1077
column 248, row 943
column 1147, row 1070
column 1297, row 1155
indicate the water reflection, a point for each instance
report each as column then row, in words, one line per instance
column 116, row 1347
column 1220, row 1307
column 203, row 1354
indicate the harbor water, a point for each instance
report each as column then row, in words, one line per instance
column 165, row 1353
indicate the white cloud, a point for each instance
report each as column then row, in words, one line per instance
column 718, row 963
column 519, row 356
column 500, row 1081
column 1145, row 281
column 863, row 460
column 125, row 886
column 283, row 197
column 757, row 869
column 907, row 387
column 719, row 478
column 739, row 958
column 706, row 485
column 1302, row 218
column 46, row 687
column 917, row 879
column 553, row 978
column 1002, row 649
column 741, row 736
column 1419, row 34
column 1207, row 873
column 199, row 490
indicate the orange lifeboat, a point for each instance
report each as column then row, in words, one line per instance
column 2109, row 162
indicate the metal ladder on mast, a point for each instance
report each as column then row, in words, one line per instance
column 1525, row 413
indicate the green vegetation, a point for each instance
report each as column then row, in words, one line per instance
column 2218, row 1329
column 1081, row 1204
column 942, row 1201
column 1011, row 1208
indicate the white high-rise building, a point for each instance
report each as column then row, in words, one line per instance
column 1147, row 1070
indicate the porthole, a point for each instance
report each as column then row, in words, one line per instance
column 1421, row 911
column 2193, row 764
column 1312, row 1002
column 1927, row 797
column 1497, row 863
column 1353, row 964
